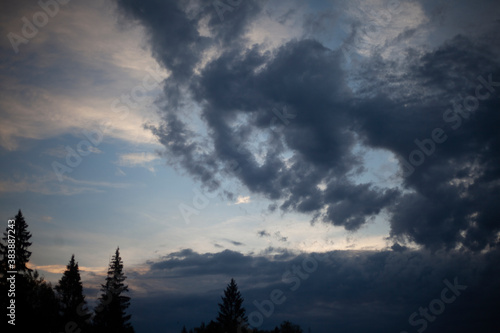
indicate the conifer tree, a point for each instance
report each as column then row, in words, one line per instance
column 18, row 236
column 34, row 298
column 231, row 313
column 15, row 257
column 110, row 314
column 70, row 294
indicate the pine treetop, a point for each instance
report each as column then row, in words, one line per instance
column 22, row 237
column 70, row 286
column 70, row 294
column 231, row 312
column 111, row 310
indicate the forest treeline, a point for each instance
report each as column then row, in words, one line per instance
column 32, row 304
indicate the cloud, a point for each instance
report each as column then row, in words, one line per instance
column 143, row 159
column 48, row 184
column 288, row 121
column 263, row 233
column 55, row 86
column 59, row 269
column 354, row 291
column 279, row 237
column 235, row 243
column 242, row 200
column 47, row 219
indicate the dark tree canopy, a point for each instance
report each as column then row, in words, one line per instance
column 231, row 312
column 288, row 327
column 40, row 309
column 70, row 293
column 111, row 314
column 44, row 305
column 35, row 301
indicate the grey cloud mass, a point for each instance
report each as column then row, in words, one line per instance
column 350, row 291
column 286, row 122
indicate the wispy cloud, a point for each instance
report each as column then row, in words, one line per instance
column 143, row 159
column 59, row 269
column 49, row 185
column 47, row 219
column 235, row 243
column 81, row 80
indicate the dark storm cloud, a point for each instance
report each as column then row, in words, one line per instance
column 456, row 186
column 169, row 23
column 285, row 123
column 353, row 291
column 173, row 28
column 187, row 264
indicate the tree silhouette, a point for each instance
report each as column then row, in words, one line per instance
column 35, row 301
column 288, row 327
column 45, row 305
column 110, row 313
column 16, row 239
column 15, row 257
column 71, row 299
column 231, row 313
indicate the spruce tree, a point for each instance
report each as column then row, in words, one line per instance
column 15, row 257
column 17, row 236
column 231, row 313
column 35, row 301
column 71, row 299
column 110, row 314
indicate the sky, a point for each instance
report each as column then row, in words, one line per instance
column 339, row 159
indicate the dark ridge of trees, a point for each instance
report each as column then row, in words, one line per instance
column 46, row 309
column 232, row 319
column 213, row 327
column 39, row 307
column 44, row 303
